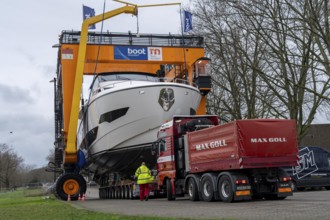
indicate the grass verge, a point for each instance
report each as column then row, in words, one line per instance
column 22, row 205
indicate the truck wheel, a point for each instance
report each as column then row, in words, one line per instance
column 192, row 190
column 225, row 189
column 169, row 191
column 70, row 184
column 207, row 189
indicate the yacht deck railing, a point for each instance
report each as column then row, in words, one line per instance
column 164, row 79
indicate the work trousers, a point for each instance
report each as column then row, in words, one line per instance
column 144, row 191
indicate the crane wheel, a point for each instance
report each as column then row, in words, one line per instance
column 70, row 184
column 71, row 187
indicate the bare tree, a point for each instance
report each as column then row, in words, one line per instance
column 315, row 14
column 268, row 61
column 296, row 77
column 238, row 91
column 51, row 156
column 9, row 165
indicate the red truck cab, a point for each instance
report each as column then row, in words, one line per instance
column 169, row 160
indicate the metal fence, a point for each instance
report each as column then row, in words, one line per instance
column 107, row 38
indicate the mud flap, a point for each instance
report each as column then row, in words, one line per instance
column 242, row 192
column 284, row 189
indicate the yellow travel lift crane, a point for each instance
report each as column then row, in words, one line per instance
column 82, row 53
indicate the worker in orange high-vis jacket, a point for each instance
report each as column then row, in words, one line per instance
column 144, row 177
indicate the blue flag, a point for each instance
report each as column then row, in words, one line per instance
column 187, row 21
column 88, row 13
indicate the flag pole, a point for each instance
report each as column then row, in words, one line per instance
column 183, row 45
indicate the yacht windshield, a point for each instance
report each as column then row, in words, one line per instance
column 127, row 76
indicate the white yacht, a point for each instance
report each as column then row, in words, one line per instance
column 124, row 113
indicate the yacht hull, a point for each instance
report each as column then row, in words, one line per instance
column 121, row 123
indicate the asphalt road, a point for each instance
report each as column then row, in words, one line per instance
column 302, row 205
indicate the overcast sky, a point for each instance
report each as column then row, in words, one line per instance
column 28, row 62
